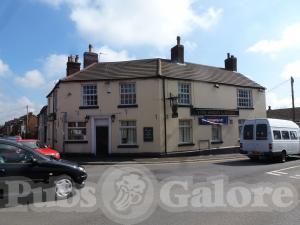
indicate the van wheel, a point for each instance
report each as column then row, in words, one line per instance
column 63, row 187
column 283, row 157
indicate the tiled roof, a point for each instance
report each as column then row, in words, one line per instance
column 285, row 114
column 149, row 68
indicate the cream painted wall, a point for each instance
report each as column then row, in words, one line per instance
column 149, row 113
column 205, row 95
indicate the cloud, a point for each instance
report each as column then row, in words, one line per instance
column 31, row 79
column 109, row 55
column 154, row 23
column 4, row 69
column 290, row 38
column 277, row 102
column 54, row 65
column 291, row 69
column 14, row 108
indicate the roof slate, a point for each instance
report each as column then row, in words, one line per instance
column 149, row 68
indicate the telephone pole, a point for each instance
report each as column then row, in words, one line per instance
column 293, row 100
column 26, row 130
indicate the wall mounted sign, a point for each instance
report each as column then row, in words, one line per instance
column 148, row 134
column 214, row 112
column 211, row 120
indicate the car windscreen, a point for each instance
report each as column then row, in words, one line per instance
column 261, row 132
column 30, row 144
column 248, row 132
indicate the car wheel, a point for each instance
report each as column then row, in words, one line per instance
column 283, row 157
column 63, row 187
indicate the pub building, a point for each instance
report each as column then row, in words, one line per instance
column 150, row 106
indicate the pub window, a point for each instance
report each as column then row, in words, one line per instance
column 185, row 131
column 128, row 94
column 89, row 95
column 216, row 133
column 244, row 98
column 184, row 93
column 76, row 131
column 128, row 132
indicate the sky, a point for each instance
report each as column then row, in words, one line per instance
column 36, row 36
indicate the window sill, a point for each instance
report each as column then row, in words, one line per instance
column 128, row 146
column 89, row 107
column 245, row 108
column 184, row 106
column 216, row 142
column 128, row 106
column 76, row 142
column 186, row 144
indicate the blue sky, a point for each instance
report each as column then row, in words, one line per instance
column 37, row 35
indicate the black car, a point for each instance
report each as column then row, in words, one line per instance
column 20, row 162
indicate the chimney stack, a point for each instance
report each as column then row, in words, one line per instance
column 177, row 52
column 73, row 64
column 89, row 57
column 230, row 63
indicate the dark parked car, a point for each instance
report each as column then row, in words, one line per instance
column 17, row 160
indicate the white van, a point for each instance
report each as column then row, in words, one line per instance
column 270, row 138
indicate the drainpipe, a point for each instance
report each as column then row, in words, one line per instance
column 165, row 115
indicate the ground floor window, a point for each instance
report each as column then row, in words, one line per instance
column 128, row 132
column 216, row 133
column 76, row 131
column 185, row 131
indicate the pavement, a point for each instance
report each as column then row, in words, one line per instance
column 89, row 160
column 238, row 170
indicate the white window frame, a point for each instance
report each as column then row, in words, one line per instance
column 244, row 98
column 187, row 131
column 130, row 94
column 134, row 142
column 85, row 103
column 77, row 127
column 241, row 123
column 184, row 98
column 219, row 135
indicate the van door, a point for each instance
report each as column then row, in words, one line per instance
column 262, row 133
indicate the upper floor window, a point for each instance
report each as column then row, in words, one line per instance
column 89, row 95
column 184, row 93
column 244, row 98
column 128, row 94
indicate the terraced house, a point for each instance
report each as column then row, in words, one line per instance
column 150, row 106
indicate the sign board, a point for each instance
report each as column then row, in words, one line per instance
column 214, row 112
column 148, row 134
column 211, row 120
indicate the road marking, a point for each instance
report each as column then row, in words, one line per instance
column 280, row 173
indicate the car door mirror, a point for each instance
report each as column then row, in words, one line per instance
column 33, row 160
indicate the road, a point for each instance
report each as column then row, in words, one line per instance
column 240, row 171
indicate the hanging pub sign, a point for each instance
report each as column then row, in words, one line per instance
column 214, row 112
column 213, row 120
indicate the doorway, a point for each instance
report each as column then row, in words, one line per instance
column 102, row 141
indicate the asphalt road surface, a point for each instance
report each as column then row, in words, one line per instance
column 241, row 172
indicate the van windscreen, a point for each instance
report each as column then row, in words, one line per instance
column 248, row 132
column 261, row 132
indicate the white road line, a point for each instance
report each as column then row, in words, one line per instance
column 279, row 172
column 272, row 173
column 288, row 168
column 298, row 178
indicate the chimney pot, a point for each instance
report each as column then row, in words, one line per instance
column 270, row 108
column 228, row 55
column 90, row 48
column 178, row 40
column 77, row 59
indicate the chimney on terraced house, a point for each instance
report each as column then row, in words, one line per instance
column 89, row 57
column 73, row 65
column 230, row 63
column 177, row 52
